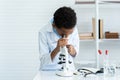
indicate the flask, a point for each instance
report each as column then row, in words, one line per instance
column 106, row 64
column 109, row 69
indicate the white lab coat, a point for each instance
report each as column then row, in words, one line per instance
column 47, row 43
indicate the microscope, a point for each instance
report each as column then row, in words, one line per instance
column 64, row 61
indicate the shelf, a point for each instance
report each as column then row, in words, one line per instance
column 104, row 40
column 86, row 2
column 103, row 4
column 118, row 2
column 87, row 40
column 89, row 2
column 100, row 2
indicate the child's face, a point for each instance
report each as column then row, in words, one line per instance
column 63, row 31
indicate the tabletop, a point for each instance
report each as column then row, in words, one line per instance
column 51, row 75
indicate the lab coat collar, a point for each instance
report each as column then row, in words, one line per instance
column 50, row 27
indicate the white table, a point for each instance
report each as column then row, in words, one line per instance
column 51, row 75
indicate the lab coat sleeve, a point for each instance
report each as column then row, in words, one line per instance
column 76, row 41
column 44, row 52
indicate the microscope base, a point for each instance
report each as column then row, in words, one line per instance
column 65, row 73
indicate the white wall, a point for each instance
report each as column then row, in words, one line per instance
column 20, row 21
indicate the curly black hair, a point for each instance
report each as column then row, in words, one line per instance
column 65, row 17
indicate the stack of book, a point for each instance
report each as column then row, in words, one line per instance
column 85, row 36
column 111, row 35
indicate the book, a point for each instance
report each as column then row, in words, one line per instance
column 86, row 34
column 93, row 27
column 111, row 35
column 100, row 29
column 86, row 37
